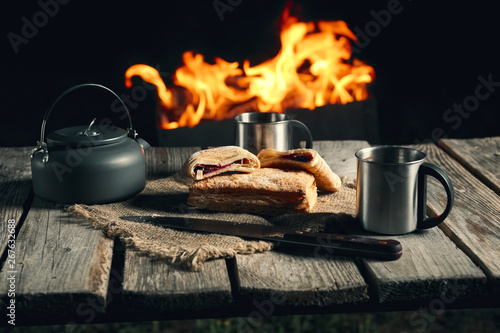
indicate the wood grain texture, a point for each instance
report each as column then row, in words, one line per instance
column 430, row 266
column 165, row 161
column 480, row 156
column 339, row 155
column 152, row 285
column 474, row 222
column 302, row 280
column 15, row 186
column 62, row 265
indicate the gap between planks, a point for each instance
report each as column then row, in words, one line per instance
column 484, row 166
column 301, row 280
column 16, row 194
column 150, row 284
column 473, row 223
column 430, row 266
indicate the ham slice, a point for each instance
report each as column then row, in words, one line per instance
column 210, row 162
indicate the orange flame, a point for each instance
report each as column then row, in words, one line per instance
column 312, row 69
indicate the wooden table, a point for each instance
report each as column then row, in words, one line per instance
column 65, row 272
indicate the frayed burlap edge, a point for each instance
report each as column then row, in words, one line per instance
column 191, row 250
column 188, row 257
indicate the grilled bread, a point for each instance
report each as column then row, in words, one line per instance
column 265, row 191
column 302, row 159
column 211, row 162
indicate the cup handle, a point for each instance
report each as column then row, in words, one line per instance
column 434, row 171
column 304, row 129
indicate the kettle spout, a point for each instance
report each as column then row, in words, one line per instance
column 144, row 144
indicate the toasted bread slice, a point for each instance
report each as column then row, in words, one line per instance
column 266, row 191
column 303, row 159
column 211, row 162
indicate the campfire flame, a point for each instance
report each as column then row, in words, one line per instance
column 312, row 69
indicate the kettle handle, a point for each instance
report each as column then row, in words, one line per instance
column 42, row 143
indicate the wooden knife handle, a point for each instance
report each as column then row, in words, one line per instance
column 336, row 244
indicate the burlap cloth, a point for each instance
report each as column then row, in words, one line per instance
column 168, row 196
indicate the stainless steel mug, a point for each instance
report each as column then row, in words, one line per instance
column 391, row 190
column 258, row 130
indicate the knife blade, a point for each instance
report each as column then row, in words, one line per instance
column 334, row 244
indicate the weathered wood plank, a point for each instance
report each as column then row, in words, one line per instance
column 153, row 286
column 300, row 280
column 15, row 186
column 165, row 161
column 59, row 263
column 430, row 266
column 480, row 156
column 305, row 280
column 62, row 265
column 150, row 284
column 340, row 155
column 474, row 222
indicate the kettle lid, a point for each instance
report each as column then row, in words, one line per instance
column 86, row 135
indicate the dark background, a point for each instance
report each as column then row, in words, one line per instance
column 427, row 58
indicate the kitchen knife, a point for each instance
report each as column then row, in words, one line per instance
column 334, row 244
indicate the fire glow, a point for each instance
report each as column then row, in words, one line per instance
column 312, row 69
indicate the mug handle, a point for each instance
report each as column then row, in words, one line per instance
column 434, row 171
column 304, row 129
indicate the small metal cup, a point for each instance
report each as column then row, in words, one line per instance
column 258, row 130
column 391, row 190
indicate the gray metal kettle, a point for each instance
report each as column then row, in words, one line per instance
column 89, row 164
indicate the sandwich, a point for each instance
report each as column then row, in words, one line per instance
column 302, row 159
column 264, row 191
column 211, row 162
